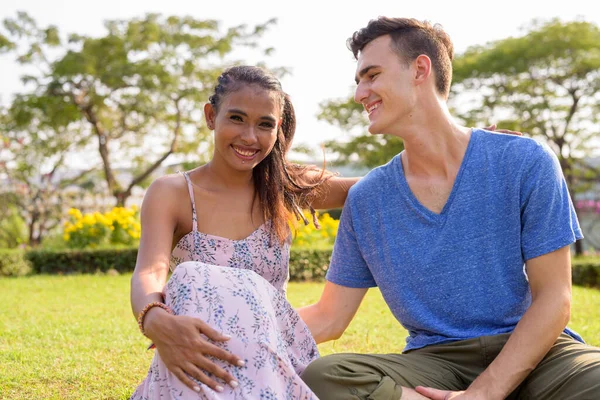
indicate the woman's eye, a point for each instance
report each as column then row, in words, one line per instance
column 236, row 118
column 373, row 76
column 267, row 125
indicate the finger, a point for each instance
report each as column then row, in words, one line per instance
column 214, row 369
column 200, row 376
column 212, row 333
column 185, row 379
column 433, row 394
column 491, row 127
column 222, row 354
column 509, row 132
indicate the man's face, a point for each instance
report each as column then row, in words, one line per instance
column 384, row 87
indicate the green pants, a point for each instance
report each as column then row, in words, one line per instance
column 570, row 370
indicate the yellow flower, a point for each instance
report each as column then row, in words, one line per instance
column 75, row 213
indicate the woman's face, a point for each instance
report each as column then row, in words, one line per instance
column 245, row 126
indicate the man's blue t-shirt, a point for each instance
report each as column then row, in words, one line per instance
column 458, row 274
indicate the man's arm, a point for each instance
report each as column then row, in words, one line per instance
column 550, row 282
column 330, row 316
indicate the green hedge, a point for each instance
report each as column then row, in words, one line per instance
column 82, row 261
column 305, row 264
column 309, row 264
column 586, row 271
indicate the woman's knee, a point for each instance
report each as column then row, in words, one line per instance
column 186, row 265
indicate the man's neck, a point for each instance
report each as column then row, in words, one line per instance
column 435, row 144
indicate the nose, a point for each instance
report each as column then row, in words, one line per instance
column 248, row 136
column 361, row 93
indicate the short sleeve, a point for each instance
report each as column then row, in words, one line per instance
column 548, row 218
column 348, row 266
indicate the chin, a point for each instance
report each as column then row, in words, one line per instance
column 375, row 130
column 247, row 166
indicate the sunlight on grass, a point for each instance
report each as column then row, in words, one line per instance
column 74, row 337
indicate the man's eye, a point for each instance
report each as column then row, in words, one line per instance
column 236, row 118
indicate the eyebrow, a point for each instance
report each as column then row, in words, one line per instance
column 240, row 112
column 364, row 71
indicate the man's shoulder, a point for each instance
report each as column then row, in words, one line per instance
column 495, row 139
column 507, row 148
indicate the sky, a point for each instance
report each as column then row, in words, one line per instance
column 309, row 37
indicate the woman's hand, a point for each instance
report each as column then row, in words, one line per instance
column 493, row 128
column 183, row 347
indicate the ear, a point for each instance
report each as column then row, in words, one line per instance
column 210, row 115
column 423, row 69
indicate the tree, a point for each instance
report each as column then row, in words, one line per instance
column 31, row 155
column 363, row 148
column 545, row 83
column 136, row 91
column 13, row 231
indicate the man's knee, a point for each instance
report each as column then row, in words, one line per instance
column 316, row 371
column 344, row 376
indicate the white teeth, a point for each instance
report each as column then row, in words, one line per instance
column 373, row 107
column 245, row 153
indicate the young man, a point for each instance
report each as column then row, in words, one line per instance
column 467, row 235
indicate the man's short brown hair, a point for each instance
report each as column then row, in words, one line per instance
column 411, row 38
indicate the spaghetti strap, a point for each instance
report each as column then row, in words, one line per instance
column 191, row 191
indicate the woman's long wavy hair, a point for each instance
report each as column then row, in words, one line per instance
column 282, row 188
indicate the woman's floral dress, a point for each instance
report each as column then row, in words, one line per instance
column 237, row 287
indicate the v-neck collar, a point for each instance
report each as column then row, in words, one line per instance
column 416, row 203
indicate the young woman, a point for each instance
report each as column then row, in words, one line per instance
column 222, row 326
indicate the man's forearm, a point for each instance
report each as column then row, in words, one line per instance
column 531, row 340
column 321, row 327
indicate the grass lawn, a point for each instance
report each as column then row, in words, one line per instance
column 74, row 337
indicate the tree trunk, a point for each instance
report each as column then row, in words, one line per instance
column 32, row 240
column 579, row 248
column 122, row 197
column 578, row 243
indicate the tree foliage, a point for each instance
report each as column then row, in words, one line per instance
column 32, row 154
column 545, row 83
column 136, row 91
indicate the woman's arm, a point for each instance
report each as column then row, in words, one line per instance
column 333, row 193
column 152, row 265
column 178, row 339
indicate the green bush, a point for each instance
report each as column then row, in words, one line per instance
column 305, row 263
column 82, row 261
column 13, row 263
column 13, row 229
column 586, row 271
column 309, row 264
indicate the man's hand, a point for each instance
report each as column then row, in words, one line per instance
column 436, row 394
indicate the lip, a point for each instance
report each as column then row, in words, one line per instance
column 245, row 157
column 372, row 106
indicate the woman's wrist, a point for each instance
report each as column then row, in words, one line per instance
column 150, row 313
